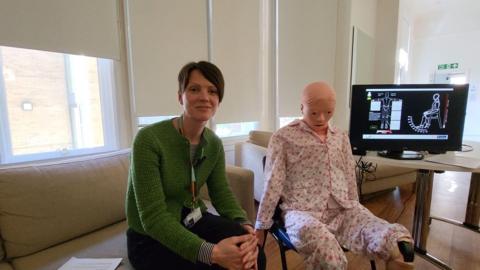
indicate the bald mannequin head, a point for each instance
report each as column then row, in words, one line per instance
column 318, row 106
column 317, row 91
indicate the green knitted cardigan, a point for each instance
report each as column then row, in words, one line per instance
column 159, row 185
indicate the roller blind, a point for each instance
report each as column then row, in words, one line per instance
column 306, row 49
column 163, row 36
column 236, row 50
column 86, row 27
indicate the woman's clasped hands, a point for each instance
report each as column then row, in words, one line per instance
column 237, row 252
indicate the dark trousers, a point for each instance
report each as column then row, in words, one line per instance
column 146, row 253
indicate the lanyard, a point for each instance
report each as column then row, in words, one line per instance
column 193, row 179
column 193, row 187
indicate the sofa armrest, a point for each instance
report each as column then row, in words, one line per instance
column 250, row 156
column 387, row 177
column 241, row 183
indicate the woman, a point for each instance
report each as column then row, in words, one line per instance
column 169, row 227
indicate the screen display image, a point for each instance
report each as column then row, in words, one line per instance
column 407, row 117
column 387, row 106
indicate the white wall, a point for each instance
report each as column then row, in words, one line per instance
column 386, row 40
column 378, row 19
column 449, row 35
column 364, row 16
column 342, row 64
column 459, row 48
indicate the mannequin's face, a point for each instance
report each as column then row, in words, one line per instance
column 317, row 113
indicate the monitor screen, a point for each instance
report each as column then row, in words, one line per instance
column 418, row 117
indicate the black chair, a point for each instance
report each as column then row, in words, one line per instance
column 279, row 233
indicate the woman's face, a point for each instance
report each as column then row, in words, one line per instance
column 200, row 98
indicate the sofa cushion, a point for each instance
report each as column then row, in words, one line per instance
column 384, row 171
column 2, row 252
column 241, row 183
column 5, row 266
column 44, row 204
column 379, row 184
column 259, row 137
column 109, row 242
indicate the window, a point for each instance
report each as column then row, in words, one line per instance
column 222, row 130
column 235, row 129
column 286, row 120
column 54, row 105
column 147, row 120
column 471, row 130
column 402, row 66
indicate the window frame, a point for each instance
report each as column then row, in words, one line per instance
column 106, row 82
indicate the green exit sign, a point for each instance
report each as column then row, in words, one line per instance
column 447, row 66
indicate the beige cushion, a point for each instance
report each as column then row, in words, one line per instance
column 241, row 184
column 384, row 171
column 109, row 242
column 260, row 137
column 388, row 182
column 250, row 156
column 5, row 266
column 45, row 204
column 2, row 252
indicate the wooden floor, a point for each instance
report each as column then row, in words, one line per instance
column 458, row 247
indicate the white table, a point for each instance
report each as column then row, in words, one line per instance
column 424, row 183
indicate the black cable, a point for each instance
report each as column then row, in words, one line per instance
column 364, row 170
column 368, row 168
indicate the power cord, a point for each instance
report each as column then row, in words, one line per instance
column 466, row 148
column 366, row 168
column 365, row 171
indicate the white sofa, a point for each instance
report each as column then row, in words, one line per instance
column 52, row 211
column 250, row 154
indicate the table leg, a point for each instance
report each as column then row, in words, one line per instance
column 421, row 218
column 472, row 216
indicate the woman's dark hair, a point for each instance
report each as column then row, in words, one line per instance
column 211, row 72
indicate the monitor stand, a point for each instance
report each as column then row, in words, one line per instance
column 401, row 154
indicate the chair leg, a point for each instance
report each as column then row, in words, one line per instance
column 283, row 257
column 373, row 266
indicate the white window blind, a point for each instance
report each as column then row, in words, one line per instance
column 306, row 49
column 236, row 50
column 86, row 27
column 163, row 36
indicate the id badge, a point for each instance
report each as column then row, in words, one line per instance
column 192, row 218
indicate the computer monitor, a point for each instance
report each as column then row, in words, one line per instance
column 394, row 118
